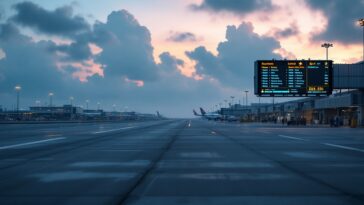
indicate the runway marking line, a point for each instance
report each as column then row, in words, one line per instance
column 106, row 131
column 327, row 144
column 293, row 138
column 31, row 143
column 343, row 147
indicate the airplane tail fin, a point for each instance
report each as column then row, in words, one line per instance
column 195, row 113
column 202, row 111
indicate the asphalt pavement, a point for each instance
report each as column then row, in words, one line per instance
column 180, row 162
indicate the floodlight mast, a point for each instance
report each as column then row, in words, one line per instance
column 17, row 89
column 327, row 46
column 361, row 23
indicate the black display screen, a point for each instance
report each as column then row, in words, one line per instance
column 298, row 78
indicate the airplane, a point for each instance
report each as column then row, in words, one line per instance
column 159, row 116
column 209, row 115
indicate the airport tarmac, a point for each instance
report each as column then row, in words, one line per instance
column 180, row 162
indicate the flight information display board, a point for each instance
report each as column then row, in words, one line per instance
column 297, row 78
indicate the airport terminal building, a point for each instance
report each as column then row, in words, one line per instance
column 346, row 104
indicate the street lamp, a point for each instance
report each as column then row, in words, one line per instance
column 246, row 97
column 71, row 100
column 50, row 99
column 232, row 100
column 17, row 90
column 87, row 101
column 225, row 103
column 98, row 105
column 327, row 46
column 361, row 23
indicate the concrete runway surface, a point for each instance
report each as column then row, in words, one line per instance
column 180, row 162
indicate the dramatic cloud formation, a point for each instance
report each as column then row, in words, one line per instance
column 342, row 19
column 182, row 37
column 50, row 48
column 238, row 6
column 126, row 47
column 59, row 22
column 75, row 51
column 111, row 63
column 234, row 63
column 29, row 64
column 287, row 32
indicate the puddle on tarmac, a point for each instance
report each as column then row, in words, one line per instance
column 79, row 175
column 135, row 163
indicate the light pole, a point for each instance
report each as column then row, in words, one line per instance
column 361, row 23
column 232, row 100
column 50, row 99
column 327, row 46
column 246, row 97
column 98, row 105
column 17, row 90
column 87, row 101
column 71, row 100
column 114, row 106
column 225, row 103
column 72, row 111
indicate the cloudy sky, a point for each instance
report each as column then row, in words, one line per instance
column 166, row 55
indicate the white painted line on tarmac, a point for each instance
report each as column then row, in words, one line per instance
column 113, row 130
column 31, row 143
column 327, row 144
column 293, row 138
column 343, row 147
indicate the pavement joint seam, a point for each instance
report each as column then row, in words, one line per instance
column 152, row 166
column 343, row 192
column 80, row 143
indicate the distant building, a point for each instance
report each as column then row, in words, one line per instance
column 55, row 112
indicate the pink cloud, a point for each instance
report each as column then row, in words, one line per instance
column 285, row 54
column 138, row 83
column 85, row 68
column 94, row 48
